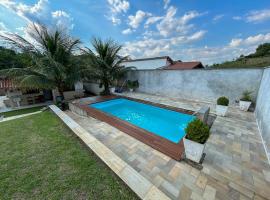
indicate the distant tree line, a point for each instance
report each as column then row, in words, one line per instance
column 10, row 59
column 261, row 58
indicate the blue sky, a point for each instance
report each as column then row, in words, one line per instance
column 209, row 31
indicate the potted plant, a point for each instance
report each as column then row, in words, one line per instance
column 112, row 89
column 197, row 134
column 222, row 106
column 132, row 85
column 113, row 86
column 245, row 100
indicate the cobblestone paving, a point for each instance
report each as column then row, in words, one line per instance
column 235, row 166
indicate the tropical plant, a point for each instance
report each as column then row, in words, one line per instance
column 132, row 84
column 51, row 52
column 104, row 63
column 246, row 96
column 223, row 101
column 197, row 131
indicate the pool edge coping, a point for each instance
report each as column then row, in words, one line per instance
column 136, row 182
column 163, row 145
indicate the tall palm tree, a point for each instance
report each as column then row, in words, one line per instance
column 52, row 61
column 105, row 64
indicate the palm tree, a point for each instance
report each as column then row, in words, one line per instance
column 52, row 61
column 105, row 64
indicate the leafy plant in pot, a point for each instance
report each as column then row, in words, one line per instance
column 197, row 134
column 245, row 100
column 222, row 106
column 132, row 85
column 113, row 87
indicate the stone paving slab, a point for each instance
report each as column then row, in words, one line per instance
column 139, row 184
column 235, row 166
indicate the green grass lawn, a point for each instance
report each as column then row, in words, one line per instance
column 41, row 159
column 21, row 111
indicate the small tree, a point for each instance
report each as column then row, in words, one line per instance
column 52, row 62
column 223, row 101
column 246, row 96
column 104, row 63
column 197, row 131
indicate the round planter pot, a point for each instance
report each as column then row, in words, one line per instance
column 112, row 89
column 221, row 110
column 193, row 150
column 244, row 105
column 131, row 89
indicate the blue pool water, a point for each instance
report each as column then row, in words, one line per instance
column 163, row 122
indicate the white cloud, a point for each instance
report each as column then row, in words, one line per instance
column 127, row 31
column 62, row 19
column 166, row 3
column 234, row 49
column 115, row 20
column 218, row 17
column 237, row 18
column 39, row 12
column 117, row 7
column 59, row 13
column 252, row 40
column 155, row 47
column 189, row 16
column 171, row 24
column 135, row 21
column 168, row 23
column 258, row 16
column 3, row 27
column 235, row 42
column 152, row 20
column 20, row 28
column 172, row 32
column 179, row 48
column 210, row 55
column 197, row 36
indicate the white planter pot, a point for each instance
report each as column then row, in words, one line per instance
column 221, row 110
column 131, row 89
column 244, row 105
column 112, row 89
column 193, row 150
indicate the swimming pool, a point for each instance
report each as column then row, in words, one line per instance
column 160, row 121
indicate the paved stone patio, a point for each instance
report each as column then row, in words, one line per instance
column 235, row 166
column 138, row 183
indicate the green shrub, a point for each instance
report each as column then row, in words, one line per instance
column 223, row 101
column 197, row 131
column 132, row 84
column 246, row 96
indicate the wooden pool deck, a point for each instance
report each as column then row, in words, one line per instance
column 171, row 149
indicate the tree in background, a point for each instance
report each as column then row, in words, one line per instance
column 10, row 59
column 105, row 64
column 261, row 58
column 263, row 50
column 52, row 62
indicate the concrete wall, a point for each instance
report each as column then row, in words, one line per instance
column 263, row 109
column 93, row 88
column 68, row 95
column 199, row 84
